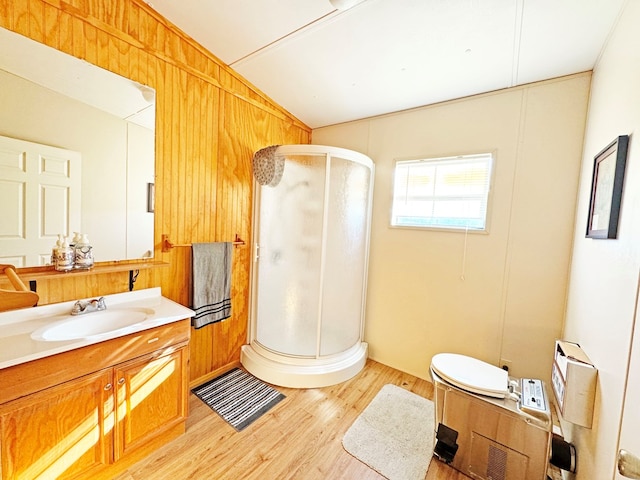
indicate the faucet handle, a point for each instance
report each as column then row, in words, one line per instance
column 77, row 308
column 100, row 303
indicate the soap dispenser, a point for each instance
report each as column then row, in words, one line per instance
column 54, row 250
column 64, row 257
column 83, row 253
column 75, row 240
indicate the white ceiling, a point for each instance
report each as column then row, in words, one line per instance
column 328, row 66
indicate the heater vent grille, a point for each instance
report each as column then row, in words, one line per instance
column 490, row 460
column 497, row 467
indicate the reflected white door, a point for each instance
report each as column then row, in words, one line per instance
column 39, row 199
column 629, row 460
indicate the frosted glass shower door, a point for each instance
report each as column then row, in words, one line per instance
column 345, row 257
column 289, row 235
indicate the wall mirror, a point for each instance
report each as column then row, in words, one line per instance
column 76, row 155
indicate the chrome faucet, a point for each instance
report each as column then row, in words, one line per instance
column 87, row 306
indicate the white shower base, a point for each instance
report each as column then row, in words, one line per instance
column 297, row 372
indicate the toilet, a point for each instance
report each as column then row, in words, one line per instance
column 482, row 416
column 471, row 374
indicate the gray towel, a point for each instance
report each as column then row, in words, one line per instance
column 211, row 282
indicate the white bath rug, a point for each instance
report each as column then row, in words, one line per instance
column 394, row 435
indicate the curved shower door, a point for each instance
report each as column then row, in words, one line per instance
column 289, row 258
column 312, row 244
column 345, row 256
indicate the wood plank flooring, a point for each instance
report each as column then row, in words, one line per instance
column 299, row 438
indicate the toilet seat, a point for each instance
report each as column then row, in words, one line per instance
column 471, row 374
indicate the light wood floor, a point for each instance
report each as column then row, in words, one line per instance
column 299, row 438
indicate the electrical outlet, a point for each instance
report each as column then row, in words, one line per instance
column 505, row 364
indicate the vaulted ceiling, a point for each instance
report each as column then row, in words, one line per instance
column 329, row 65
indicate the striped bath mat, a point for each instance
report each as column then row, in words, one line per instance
column 238, row 397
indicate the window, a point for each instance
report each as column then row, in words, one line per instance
column 449, row 192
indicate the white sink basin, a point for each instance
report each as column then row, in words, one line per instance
column 73, row 327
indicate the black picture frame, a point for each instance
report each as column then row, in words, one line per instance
column 606, row 189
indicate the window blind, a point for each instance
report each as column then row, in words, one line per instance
column 450, row 192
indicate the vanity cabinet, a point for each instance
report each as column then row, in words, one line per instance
column 65, row 431
column 128, row 398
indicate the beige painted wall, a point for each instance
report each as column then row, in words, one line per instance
column 604, row 273
column 505, row 297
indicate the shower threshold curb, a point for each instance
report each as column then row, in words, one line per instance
column 304, row 376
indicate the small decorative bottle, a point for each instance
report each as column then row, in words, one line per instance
column 75, row 240
column 83, row 253
column 54, row 250
column 64, row 257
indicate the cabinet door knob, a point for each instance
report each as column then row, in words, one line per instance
column 108, row 386
column 121, row 381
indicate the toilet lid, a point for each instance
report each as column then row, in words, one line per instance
column 471, row 374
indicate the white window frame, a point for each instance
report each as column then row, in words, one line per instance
column 405, row 217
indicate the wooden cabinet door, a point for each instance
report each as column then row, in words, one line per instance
column 151, row 397
column 61, row 432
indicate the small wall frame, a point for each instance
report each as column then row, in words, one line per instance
column 151, row 197
column 606, row 189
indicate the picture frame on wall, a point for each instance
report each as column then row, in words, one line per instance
column 606, row 189
column 151, row 197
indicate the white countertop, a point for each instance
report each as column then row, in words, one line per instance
column 16, row 326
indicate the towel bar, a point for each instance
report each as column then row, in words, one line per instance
column 167, row 245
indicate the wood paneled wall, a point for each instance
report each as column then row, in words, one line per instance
column 209, row 123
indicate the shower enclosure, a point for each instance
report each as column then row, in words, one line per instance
column 311, row 242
